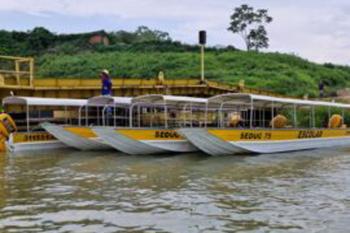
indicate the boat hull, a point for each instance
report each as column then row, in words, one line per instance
column 144, row 141
column 228, row 142
column 81, row 138
column 21, row 142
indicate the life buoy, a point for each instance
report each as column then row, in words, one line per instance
column 234, row 119
column 336, row 121
column 279, row 121
column 7, row 126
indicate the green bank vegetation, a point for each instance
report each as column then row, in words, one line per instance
column 285, row 74
column 143, row 53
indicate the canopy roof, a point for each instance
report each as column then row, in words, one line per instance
column 168, row 99
column 37, row 101
column 239, row 98
column 108, row 100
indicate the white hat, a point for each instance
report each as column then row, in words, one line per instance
column 105, row 71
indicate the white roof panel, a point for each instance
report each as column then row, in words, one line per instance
column 108, row 100
column 38, row 101
column 247, row 98
column 160, row 99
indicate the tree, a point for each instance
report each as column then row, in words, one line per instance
column 123, row 37
column 40, row 38
column 250, row 24
column 6, row 43
column 145, row 35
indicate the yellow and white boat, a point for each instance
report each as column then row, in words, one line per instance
column 152, row 123
column 20, row 126
column 100, row 110
column 262, row 130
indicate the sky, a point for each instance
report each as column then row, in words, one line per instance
column 318, row 30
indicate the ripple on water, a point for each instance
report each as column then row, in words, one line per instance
column 90, row 192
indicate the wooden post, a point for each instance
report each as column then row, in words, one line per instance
column 17, row 70
column 31, row 72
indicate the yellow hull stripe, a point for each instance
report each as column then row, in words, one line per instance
column 171, row 135
column 238, row 135
column 150, row 134
column 84, row 132
column 32, row 137
column 275, row 135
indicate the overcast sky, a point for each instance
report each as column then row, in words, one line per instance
column 318, row 30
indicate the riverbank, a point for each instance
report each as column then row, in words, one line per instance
column 280, row 73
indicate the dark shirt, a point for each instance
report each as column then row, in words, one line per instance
column 106, row 86
column 321, row 86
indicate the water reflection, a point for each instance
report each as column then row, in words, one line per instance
column 108, row 191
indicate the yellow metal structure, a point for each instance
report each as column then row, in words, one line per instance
column 21, row 69
column 17, row 77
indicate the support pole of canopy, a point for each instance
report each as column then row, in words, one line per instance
column 28, row 118
column 261, row 118
column 272, row 113
column 264, row 123
column 165, row 115
column 65, row 114
column 115, row 116
column 206, row 115
column 79, row 117
column 104, row 115
column 131, row 115
column 98, row 115
column 251, row 113
column 310, row 118
column 295, row 116
column 313, row 117
column 184, row 115
column 191, row 115
column 153, row 112
column 87, row 115
column 221, row 118
column 139, row 116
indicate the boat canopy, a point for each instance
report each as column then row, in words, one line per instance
column 168, row 99
column 38, row 101
column 261, row 100
column 108, row 100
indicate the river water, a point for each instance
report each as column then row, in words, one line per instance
column 70, row 191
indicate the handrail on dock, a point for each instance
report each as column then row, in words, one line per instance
column 18, row 74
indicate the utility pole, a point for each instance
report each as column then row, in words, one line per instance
column 202, row 42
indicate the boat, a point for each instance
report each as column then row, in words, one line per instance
column 99, row 111
column 20, row 125
column 153, row 120
column 262, row 126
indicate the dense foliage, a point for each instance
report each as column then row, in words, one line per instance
column 285, row 74
column 143, row 53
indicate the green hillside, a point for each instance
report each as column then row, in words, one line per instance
column 144, row 52
column 282, row 73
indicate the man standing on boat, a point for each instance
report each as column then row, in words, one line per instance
column 106, row 83
column 106, row 89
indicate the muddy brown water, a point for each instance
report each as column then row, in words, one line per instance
column 71, row 191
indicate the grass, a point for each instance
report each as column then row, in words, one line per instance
column 281, row 73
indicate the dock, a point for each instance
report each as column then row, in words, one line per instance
column 18, row 78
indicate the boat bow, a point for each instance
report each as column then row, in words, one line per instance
column 74, row 140
column 209, row 143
